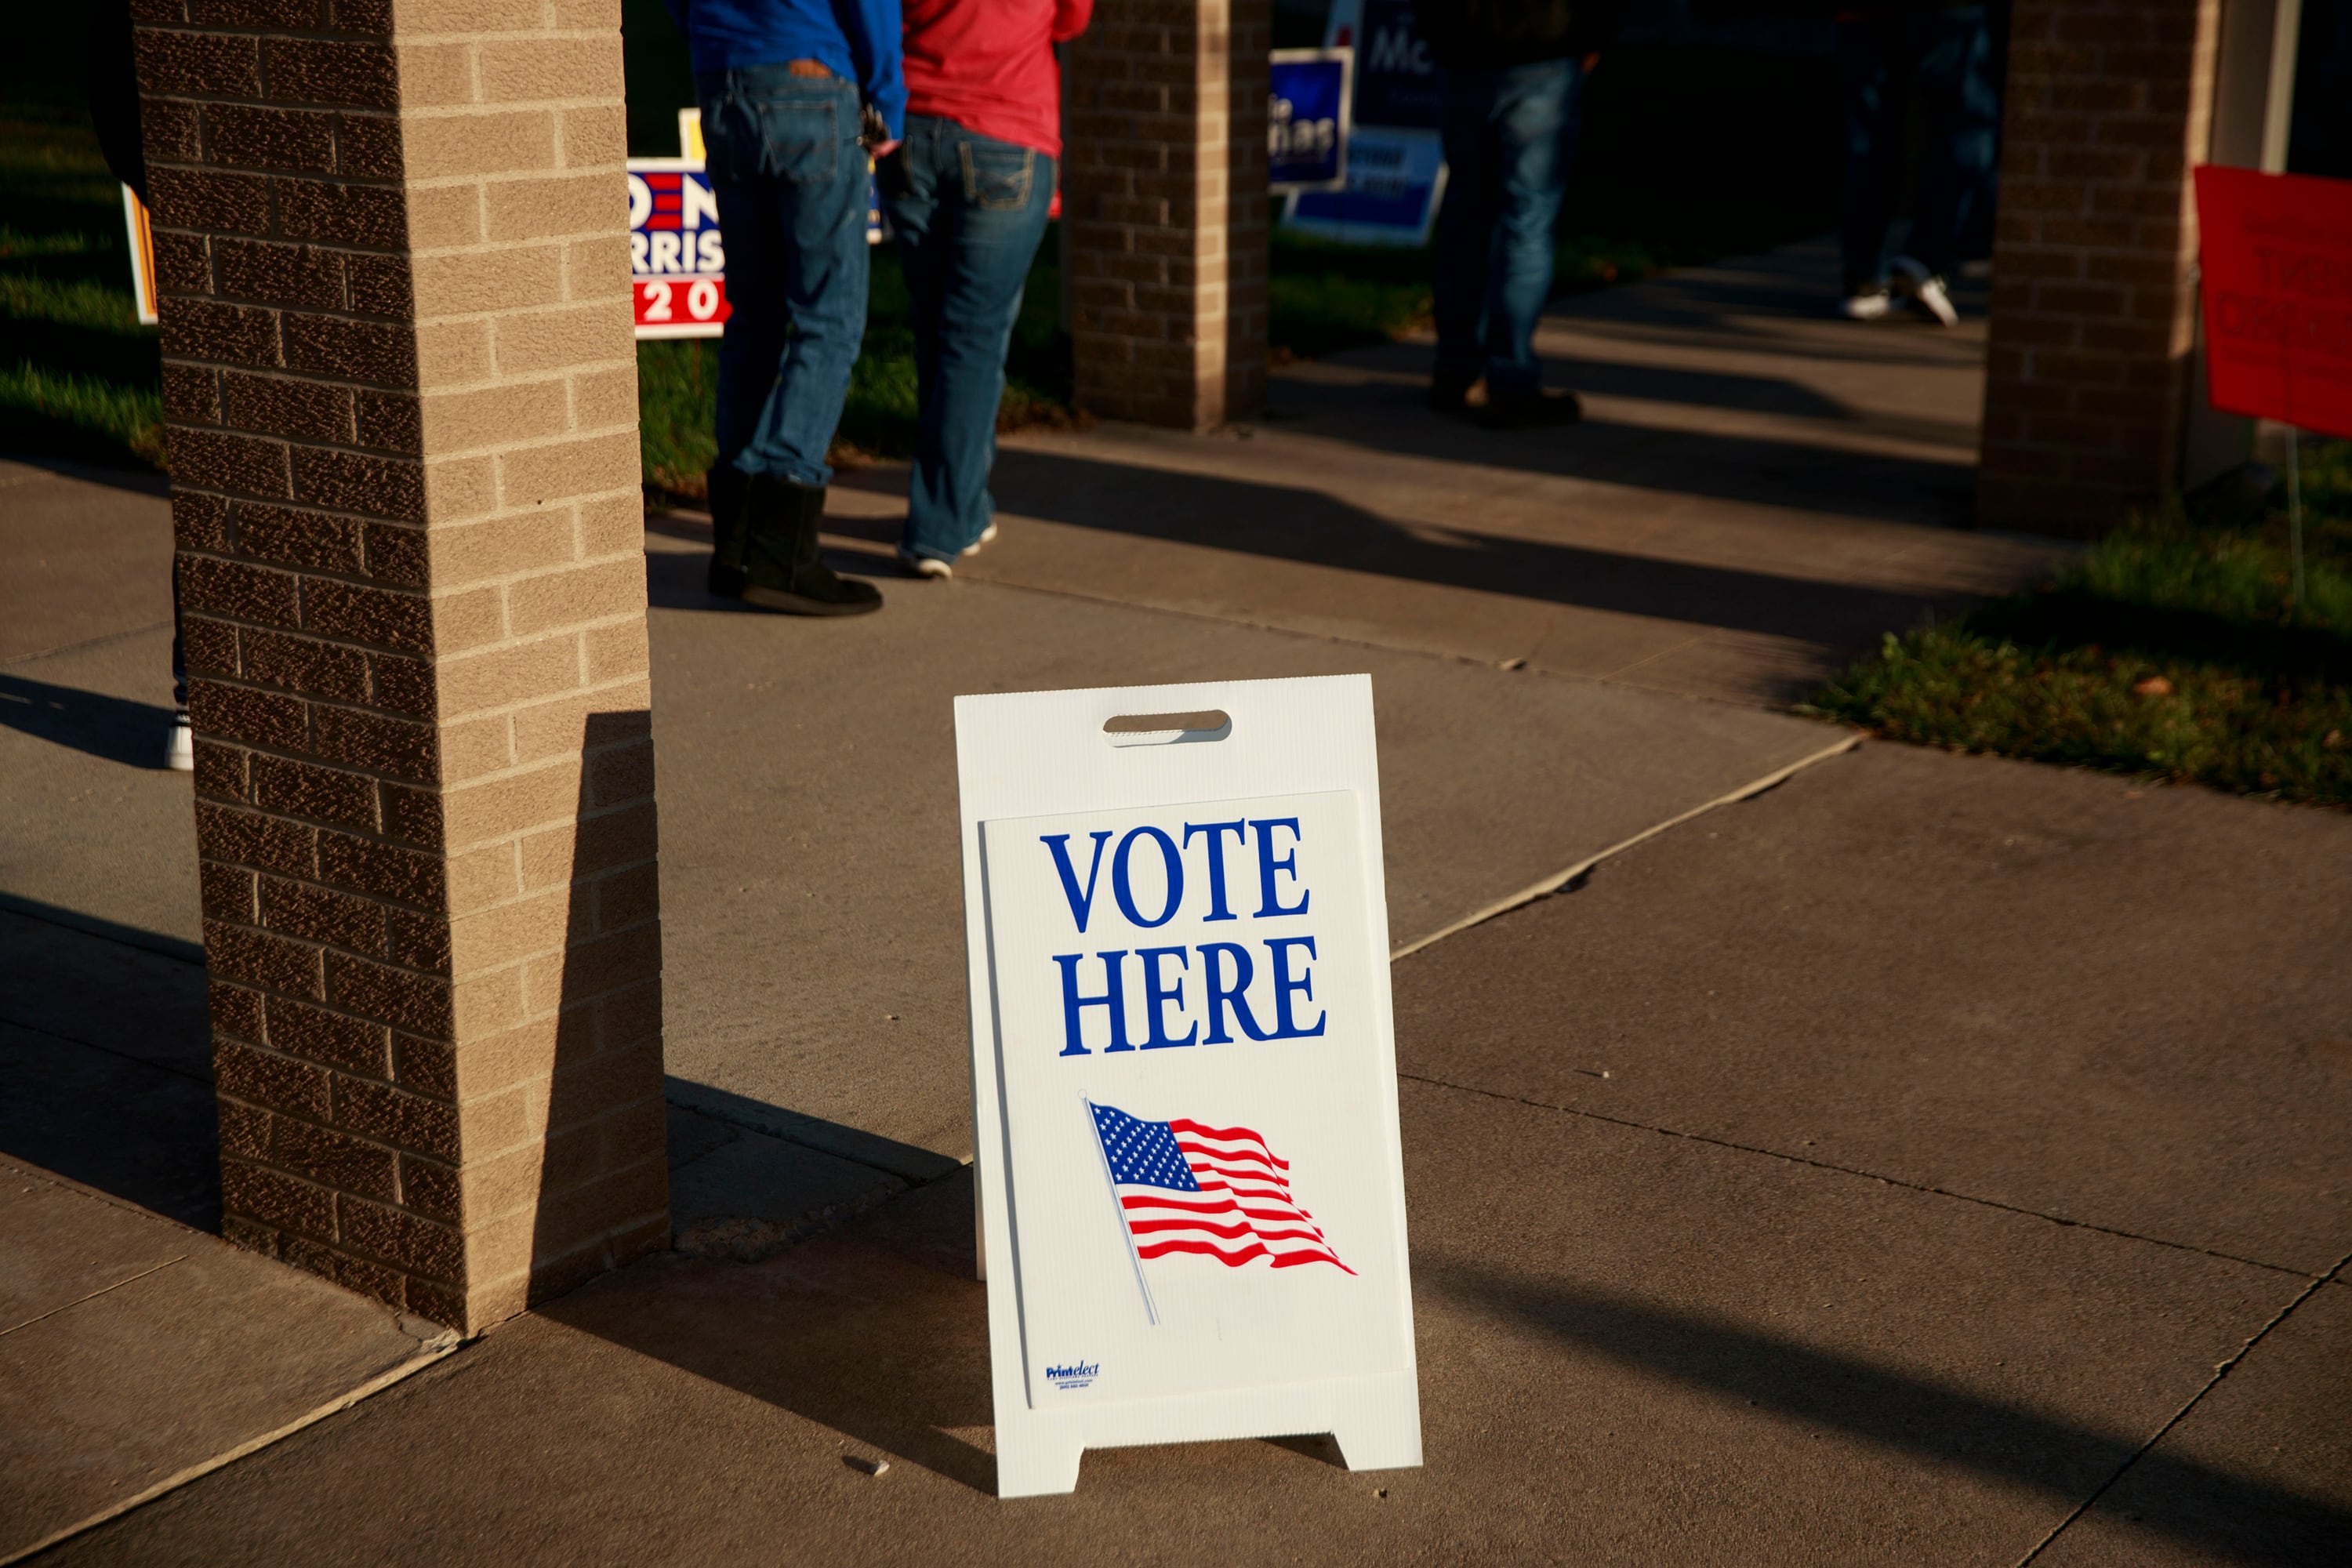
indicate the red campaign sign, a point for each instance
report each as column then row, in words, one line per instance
column 679, row 307
column 2277, row 285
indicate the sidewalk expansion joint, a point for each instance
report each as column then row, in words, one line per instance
column 1782, row 1154
column 94, row 1296
column 2312, row 1284
column 204, row 1079
column 40, row 654
column 1569, row 879
column 429, row 1352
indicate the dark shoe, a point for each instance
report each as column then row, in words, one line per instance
column 1546, row 405
column 727, row 485
column 779, row 560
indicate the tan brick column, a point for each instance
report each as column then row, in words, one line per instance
column 2093, row 296
column 402, row 423
column 1164, row 191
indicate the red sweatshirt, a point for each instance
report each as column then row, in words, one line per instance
column 989, row 65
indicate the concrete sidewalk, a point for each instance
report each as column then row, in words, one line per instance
column 1879, row 1170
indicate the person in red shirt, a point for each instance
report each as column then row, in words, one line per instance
column 967, row 192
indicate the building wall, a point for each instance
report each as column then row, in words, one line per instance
column 2094, row 306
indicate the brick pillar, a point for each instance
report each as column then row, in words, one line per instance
column 402, row 398
column 2093, row 296
column 1164, row 192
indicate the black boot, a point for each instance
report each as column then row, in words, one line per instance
column 727, row 484
column 780, row 559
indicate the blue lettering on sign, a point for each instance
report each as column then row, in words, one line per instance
column 1215, row 830
column 1081, row 905
column 1075, row 1375
column 1125, row 892
column 1304, row 142
column 1175, row 1005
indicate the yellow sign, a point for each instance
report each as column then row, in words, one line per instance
column 143, row 255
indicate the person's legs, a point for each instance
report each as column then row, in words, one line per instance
column 1465, row 232
column 750, row 217
column 1873, row 143
column 785, row 163
column 967, row 269
column 180, row 748
column 807, row 144
column 1955, row 72
column 918, row 185
column 1535, row 121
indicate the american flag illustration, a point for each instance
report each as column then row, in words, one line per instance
column 1185, row 1186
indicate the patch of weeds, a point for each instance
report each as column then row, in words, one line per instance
column 2173, row 649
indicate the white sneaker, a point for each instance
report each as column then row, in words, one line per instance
column 986, row 534
column 1925, row 291
column 924, row 565
column 180, row 751
column 1870, row 305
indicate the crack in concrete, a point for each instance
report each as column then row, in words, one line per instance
column 2311, row 1285
column 1870, row 1175
column 1569, row 879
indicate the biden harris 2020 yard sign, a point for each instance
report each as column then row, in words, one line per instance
column 1184, row 1074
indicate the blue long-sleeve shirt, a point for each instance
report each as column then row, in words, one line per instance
column 858, row 40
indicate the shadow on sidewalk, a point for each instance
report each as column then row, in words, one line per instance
column 108, row 1047
column 879, row 1331
column 2211, row 1511
column 115, row 728
column 114, row 476
column 1290, row 524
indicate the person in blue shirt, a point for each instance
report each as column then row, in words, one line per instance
column 794, row 93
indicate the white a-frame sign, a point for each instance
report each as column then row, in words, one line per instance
column 1184, row 1072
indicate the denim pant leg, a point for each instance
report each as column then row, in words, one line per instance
column 1535, row 119
column 1466, row 225
column 1955, row 72
column 790, row 178
column 968, row 211
column 1874, row 147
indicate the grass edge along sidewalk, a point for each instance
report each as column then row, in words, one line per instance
column 2172, row 650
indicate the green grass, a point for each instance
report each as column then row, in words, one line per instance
column 2174, row 650
column 79, row 377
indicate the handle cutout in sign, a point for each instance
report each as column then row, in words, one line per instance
column 1189, row 1193
column 1166, row 729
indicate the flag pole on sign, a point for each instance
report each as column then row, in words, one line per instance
column 1118, row 1213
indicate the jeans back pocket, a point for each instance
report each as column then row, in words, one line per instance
column 800, row 140
column 997, row 175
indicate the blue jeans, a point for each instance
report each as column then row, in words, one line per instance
column 968, row 211
column 790, row 176
column 1947, row 54
column 1509, row 138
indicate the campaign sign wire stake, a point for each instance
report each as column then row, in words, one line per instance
column 2274, row 277
column 1174, row 914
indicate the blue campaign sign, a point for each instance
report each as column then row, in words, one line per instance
column 1398, row 83
column 1396, row 181
column 1307, row 119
